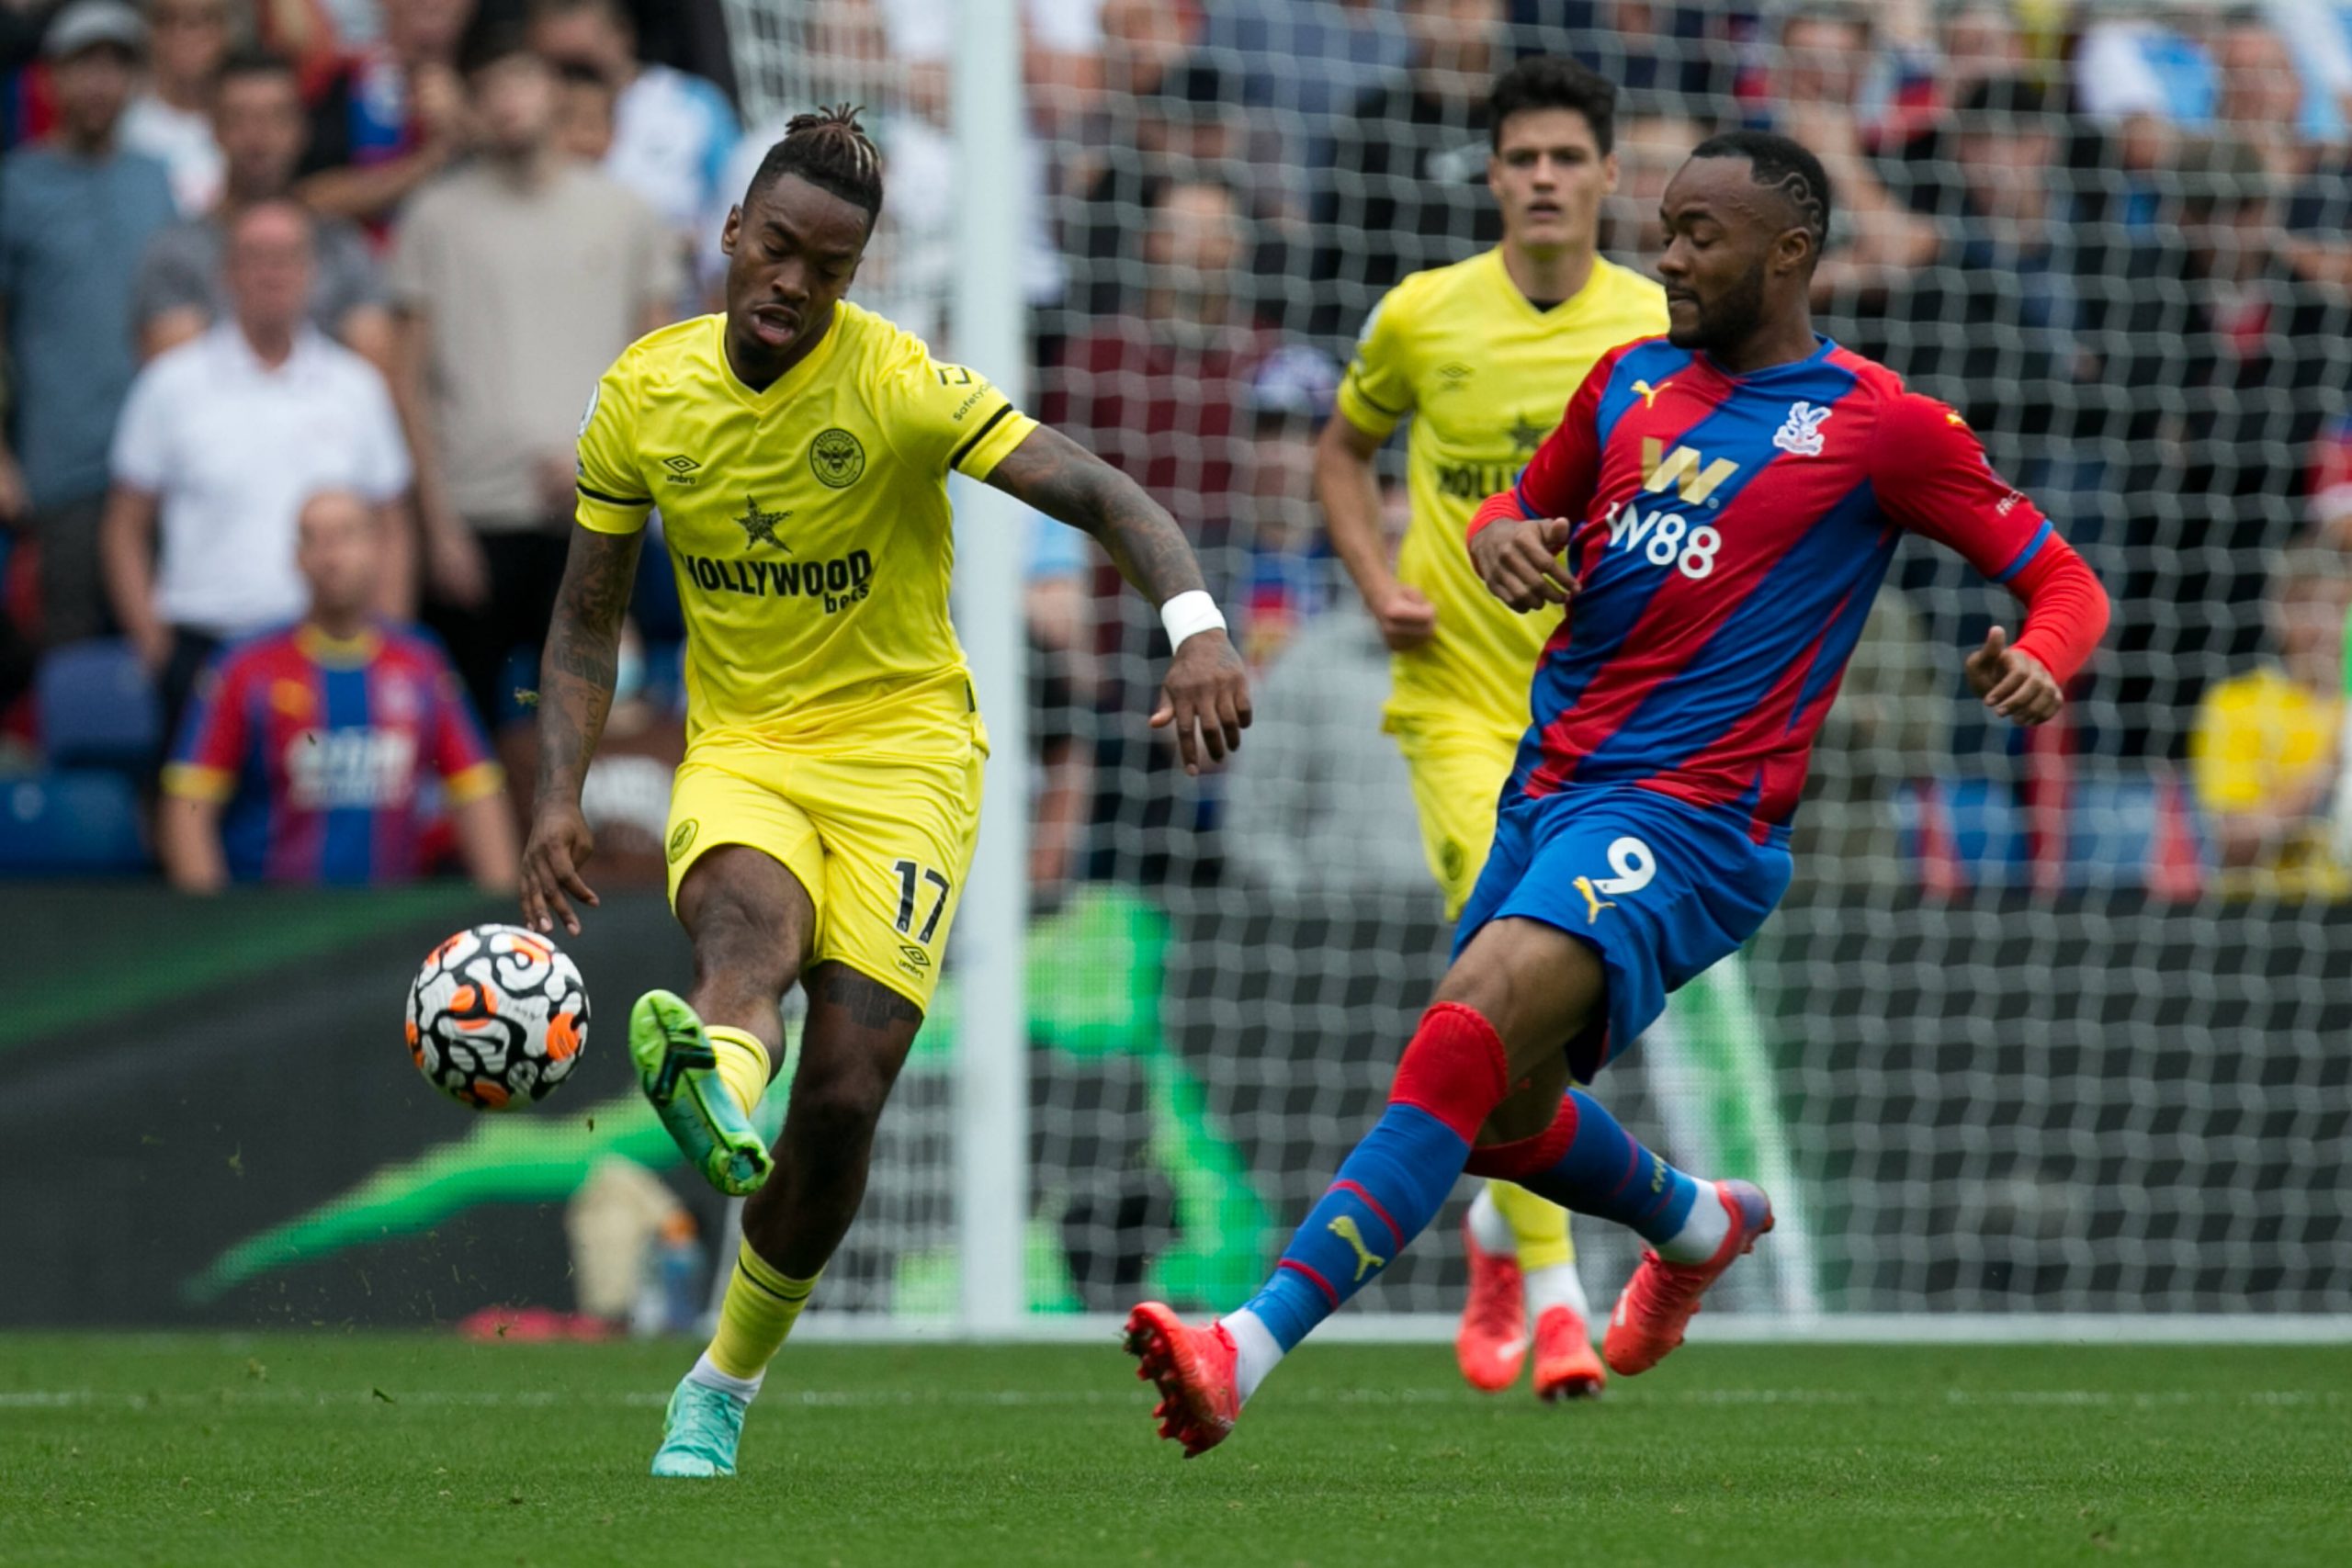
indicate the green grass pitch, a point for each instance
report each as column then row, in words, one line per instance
column 412, row 1450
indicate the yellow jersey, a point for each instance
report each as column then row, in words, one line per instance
column 2262, row 738
column 808, row 525
column 1484, row 375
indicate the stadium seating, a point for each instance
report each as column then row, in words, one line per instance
column 97, row 707
column 1970, row 827
column 72, row 822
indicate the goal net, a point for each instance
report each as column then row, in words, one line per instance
column 2045, row 1024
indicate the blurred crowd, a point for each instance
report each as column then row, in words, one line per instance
column 294, row 282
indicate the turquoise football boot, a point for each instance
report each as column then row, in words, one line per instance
column 699, row 1434
column 679, row 1074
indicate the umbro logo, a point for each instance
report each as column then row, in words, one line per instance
column 682, row 469
column 1802, row 435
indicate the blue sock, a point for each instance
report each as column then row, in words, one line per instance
column 1605, row 1171
column 1386, row 1194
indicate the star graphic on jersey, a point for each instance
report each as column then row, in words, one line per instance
column 1649, row 393
column 759, row 527
column 1526, row 436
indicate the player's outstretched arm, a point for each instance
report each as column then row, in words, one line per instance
column 1931, row 476
column 1207, row 690
column 576, row 676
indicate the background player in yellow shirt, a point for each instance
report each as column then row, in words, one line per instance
column 2266, row 756
column 825, row 815
column 1482, row 356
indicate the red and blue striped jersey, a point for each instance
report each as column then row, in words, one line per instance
column 322, row 752
column 1730, row 532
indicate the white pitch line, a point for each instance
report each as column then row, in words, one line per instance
column 540, row 1399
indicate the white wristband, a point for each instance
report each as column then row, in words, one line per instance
column 1190, row 612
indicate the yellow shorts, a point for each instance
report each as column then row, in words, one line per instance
column 1458, row 770
column 881, row 843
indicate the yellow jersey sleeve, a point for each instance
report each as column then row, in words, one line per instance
column 613, row 494
column 942, row 416
column 1377, row 392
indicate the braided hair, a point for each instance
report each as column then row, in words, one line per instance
column 831, row 150
column 1780, row 164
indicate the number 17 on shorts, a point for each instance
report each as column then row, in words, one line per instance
column 915, row 884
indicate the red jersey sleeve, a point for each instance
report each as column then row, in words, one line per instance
column 1932, row 476
column 1559, row 480
column 215, row 734
column 460, row 754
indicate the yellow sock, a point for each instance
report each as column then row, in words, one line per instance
column 1540, row 1227
column 742, row 1063
column 762, row 1305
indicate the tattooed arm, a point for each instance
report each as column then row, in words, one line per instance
column 1207, row 689
column 576, row 678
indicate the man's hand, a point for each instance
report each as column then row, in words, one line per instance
column 152, row 641
column 437, row 100
column 556, row 476
column 15, row 502
column 1208, row 687
column 1520, row 561
column 560, row 844
column 455, row 567
column 2013, row 685
column 1405, row 619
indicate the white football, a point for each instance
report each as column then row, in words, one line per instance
column 497, row 1018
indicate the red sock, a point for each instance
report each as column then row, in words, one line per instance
column 1454, row 1068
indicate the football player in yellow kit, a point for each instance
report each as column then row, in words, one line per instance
column 1482, row 356
column 825, row 815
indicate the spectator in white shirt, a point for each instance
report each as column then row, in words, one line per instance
column 221, row 440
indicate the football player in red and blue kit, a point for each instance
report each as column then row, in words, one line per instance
column 305, row 758
column 1717, row 510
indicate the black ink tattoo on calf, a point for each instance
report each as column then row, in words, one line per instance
column 869, row 1003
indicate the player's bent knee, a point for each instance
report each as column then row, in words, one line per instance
column 739, row 966
column 747, row 917
column 1537, row 985
column 1454, row 1068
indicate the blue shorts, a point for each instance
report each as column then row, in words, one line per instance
column 1659, row 888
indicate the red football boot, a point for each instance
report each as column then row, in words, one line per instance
column 1659, row 1301
column 1491, row 1345
column 1199, row 1397
column 1567, row 1365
